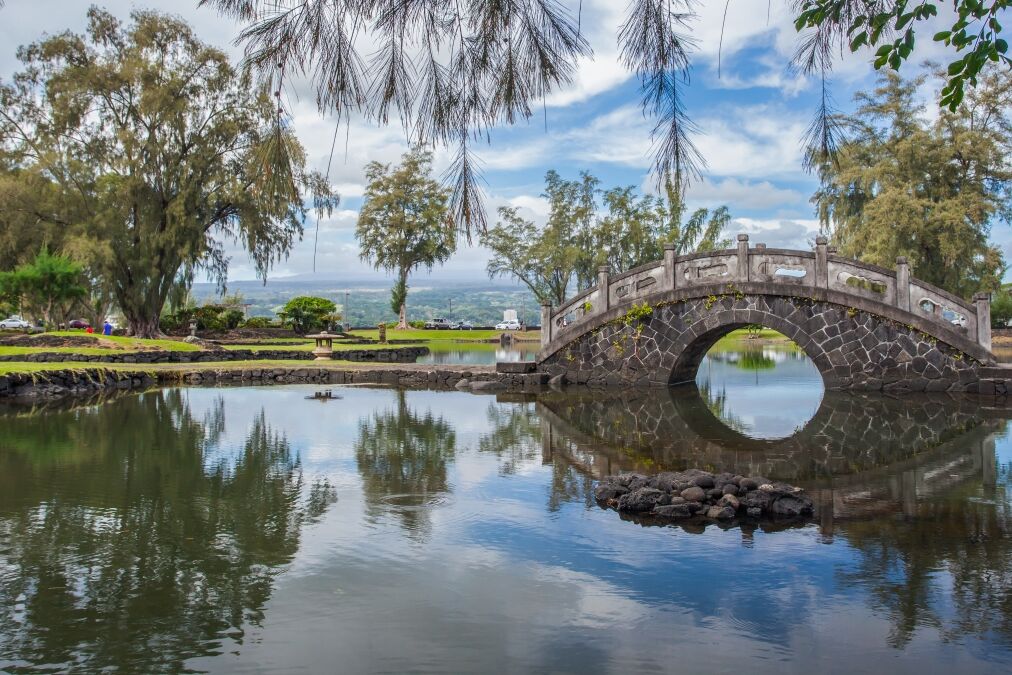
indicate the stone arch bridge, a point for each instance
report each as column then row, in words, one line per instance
column 865, row 327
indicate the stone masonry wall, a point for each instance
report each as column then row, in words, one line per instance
column 853, row 349
column 391, row 355
column 92, row 381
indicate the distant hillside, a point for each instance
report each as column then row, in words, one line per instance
column 369, row 303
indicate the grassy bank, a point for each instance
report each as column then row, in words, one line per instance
column 311, row 345
column 742, row 338
column 182, row 368
column 448, row 335
column 100, row 343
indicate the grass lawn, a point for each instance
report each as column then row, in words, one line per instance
column 182, row 368
column 738, row 339
column 448, row 335
column 311, row 345
column 299, row 346
column 19, row 351
column 285, row 340
column 764, row 334
column 168, row 344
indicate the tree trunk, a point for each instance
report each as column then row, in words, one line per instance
column 144, row 327
column 402, row 319
column 141, row 308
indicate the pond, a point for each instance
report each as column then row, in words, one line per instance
column 249, row 529
column 764, row 388
column 443, row 352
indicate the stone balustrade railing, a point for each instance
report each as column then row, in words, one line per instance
column 792, row 269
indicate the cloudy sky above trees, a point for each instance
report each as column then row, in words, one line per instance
column 751, row 115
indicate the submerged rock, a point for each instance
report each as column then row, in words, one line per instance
column 699, row 494
column 607, row 491
column 792, row 505
column 673, row 511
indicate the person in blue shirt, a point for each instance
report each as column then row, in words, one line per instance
column 107, row 328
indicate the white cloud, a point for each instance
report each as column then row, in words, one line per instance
column 531, row 207
column 742, row 194
column 759, row 141
column 778, row 233
column 350, row 189
column 756, row 141
column 509, row 156
column 599, row 24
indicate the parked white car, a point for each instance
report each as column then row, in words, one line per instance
column 508, row 325
column 15, row 323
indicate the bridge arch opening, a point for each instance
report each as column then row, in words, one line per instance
column 755, row 380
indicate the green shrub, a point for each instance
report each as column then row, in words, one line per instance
column 306, row 313
column 257, row 322
column 1001, row 309
column 231, row 318
column 168, row 322
column 209, row 317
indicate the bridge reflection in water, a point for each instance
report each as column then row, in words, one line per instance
column 858, row 456
column 205, row 522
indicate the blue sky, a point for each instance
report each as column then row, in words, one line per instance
column 751, row 117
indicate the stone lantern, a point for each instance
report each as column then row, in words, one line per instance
column 324, row 350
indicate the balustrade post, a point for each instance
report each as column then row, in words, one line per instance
column 983, row 302
column 604, row 297
column 742, row 257
column 902, row 283
column 546, row 323
column 669, row 267
column 821, row 262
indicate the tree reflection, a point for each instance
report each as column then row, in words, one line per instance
column 515, row 436
column 402, row 457
column 947, row 566
column 716, row 402
column 569, row 485
column 124, row 546
column 748, row 358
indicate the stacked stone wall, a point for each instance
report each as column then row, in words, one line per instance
column 853, row 349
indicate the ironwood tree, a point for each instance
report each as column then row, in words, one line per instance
column 161, row 154
column 928, row 189
column 404, row 223
column 577, row 237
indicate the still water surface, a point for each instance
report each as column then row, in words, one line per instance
column 477, row 353
column 252, row 530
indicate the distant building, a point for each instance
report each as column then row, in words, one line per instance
column 509, row 315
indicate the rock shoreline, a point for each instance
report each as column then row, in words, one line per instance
column 89, row 381
column 679, row 495
column 391, row 355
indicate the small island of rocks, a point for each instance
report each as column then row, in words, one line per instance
column 700, row 494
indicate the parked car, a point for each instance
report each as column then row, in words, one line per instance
column 439, row 324
column 79, row 323
column 464, row 325
column 14, row 322
column 508, row 325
